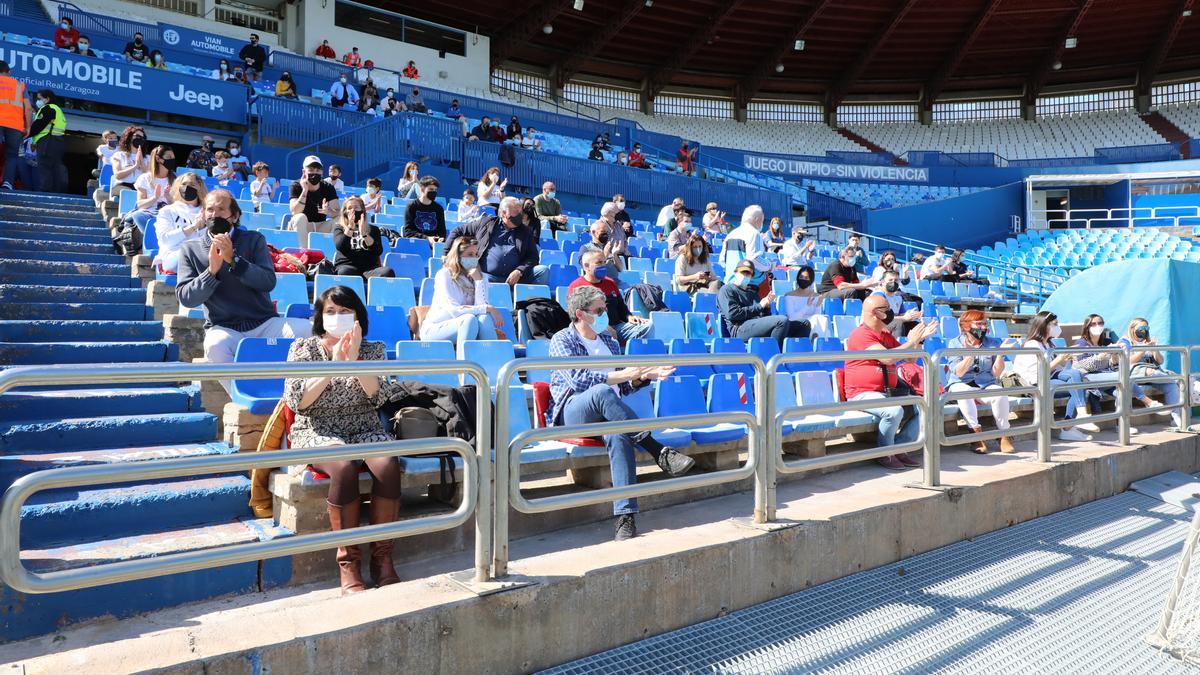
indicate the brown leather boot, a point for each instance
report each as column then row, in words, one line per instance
column 1006, row 445
column 349, row 559
column 979, row 447
column 383, row 570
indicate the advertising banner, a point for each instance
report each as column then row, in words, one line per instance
column 207, row 44
column 796, row 167
column 132, row 85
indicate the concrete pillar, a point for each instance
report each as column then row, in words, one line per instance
column 161, row 296
column 188, row 333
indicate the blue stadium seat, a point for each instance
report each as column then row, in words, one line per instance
column 428, row 350
column 731, row 346
column 828, row 344
column 323, row 242
column 641, row 265
column 679, row 395
column 815, row 388
column 785, row 397
column 290, row 289
column 765, row 348
column 260, row 396
column 387, row 324
column 643, row 346
column 257, row 221
column 844, row 325
column 562, row 275
column 537, row 349
column 831, row 307
column 852, row 307
column 126, row 202
column 281, row 238
column 705, row 302
column 527, row 291
column 552, row 257
column 731, row 392
column 491, row 354
column 643, row 404
column 406, row 266
column 666, row 325
column 677, row 301
column 678, row 346
column 802, row 346
column 500, row 296
column 326, row 281
column 426, row 295
column 393, row 292
column 560, row 296
column 703, row 326
column 406, row 246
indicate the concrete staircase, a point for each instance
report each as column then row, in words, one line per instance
column 871, row 145
column 65, row 297
column 1167, row 129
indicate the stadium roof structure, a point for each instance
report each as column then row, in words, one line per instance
column 916, row 49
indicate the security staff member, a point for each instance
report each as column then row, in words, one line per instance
column 47, row 133
column 15, row 117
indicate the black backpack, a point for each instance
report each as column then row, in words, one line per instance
column 543, row 317
column 507, row 156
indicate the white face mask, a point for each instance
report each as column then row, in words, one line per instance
column 1055, row 331
column 620, row 205
column 1096, row 331
column 338, row 325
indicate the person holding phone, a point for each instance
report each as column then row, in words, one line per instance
column 358, row 243
column 314, row 202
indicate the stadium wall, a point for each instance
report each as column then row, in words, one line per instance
column 960, row 222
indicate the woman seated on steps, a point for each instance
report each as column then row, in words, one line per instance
column 342, row 411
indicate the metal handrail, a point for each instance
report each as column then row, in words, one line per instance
column 1182, row 379
column 780, row 465
column 477, row 483
column 1124, row 400
column 1039, row 408
column 508, row 475
column 1131, row 214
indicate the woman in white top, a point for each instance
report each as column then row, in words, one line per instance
column 129, row 162
column 491, row 191
column 459, row 310
column 180, row 221
column 693, row 269
column 153, row 188
column 409, row 186
column 1042, row 330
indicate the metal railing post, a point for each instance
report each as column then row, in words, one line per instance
column 764, row 484
column 934, row 422
column 1124, row 397
column 1046, row 393
column 1185, row 394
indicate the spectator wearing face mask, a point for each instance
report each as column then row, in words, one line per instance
column 414, row 101
column 514, row 129
column 237, row 161
column 369, row 89
column 840, row 279
column 596, row 155
column 453, row 110
column 262, row 188
column 374, row 199
column 468, row 209
column 549, row 210
column 773, row 238
column 483, row 132
column 531, row 140
column 749, row 316
column 602, row 242
column 1102, row 366
column 797, row 251
column 83, row 47
column 285, row 87
column 353, row 59
column 409, row 186
column 130, row 161
column 153, row 190
column 622, row 216
column 636, row 159
column 598, row 274
column 136, row 51
column 685, row 160
column 104, row 151
column 978, row 373
column 324, row 51
column 203, row 157
column 1145, row 361
column 680, row 235
column 65, row 36
column 937, row 267
column 745, row 243
column 314, row 202
column 424, row 217
column 491, row 190
column 860, row 256
column 47, row 132
column 903, row 322
column 359, row 244
column 459, row 310
column 229, row 272
column 497, row 132
column 157, row 60
column 1042, row 331
column 693, row 269
column 180, row 221
column 223, row 171
column 508, row 247
column 335, row 178
column 410, row 71
column 342, row 93
column 254, row 57
column 222, row 72
column 602, row 141
column 390, row 105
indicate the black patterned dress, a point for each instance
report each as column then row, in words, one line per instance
column 343, row 414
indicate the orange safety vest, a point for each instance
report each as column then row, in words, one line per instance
column 12, row 104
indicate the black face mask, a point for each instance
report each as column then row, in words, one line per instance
column 1142, row 333
column 803, row 283
column 334, row 179
column 978, row 333
column 431, row 195
column 892, row 287
column 889, row 316
column 169, row 163
column 208, row 145
column 603, row 239
column 219, row 226
column 190, row 193
column 137, row 142
column 314, row 179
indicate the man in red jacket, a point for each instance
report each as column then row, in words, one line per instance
column 66, row 36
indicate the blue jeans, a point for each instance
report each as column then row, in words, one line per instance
column 1075, row 398
column 411, row 193
column 631, row 331
column 777, row 327
column 541, row 275
column 1093, row 399
column 602, row 404
column 12, row 148
column 141, row 219
column 890, row 431
column 461, row 329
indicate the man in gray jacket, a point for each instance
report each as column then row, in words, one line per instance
column 228, row 270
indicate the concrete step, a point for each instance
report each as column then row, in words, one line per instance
column 80, row 331
column 39, row 199
column 10, row 265
column 61, row 311
column 9, row 243
column 69, row 516
column 98, row 280
column 80, row 294
column 48, row 612
column 44, row 232
column 90, row 433
column 50, row 404
column 39, row 353
column 25, row 253
column 53, row 217
column 13, row 467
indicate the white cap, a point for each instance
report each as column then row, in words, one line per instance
column 312, row 159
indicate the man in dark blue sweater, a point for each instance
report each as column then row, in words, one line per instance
column 228, row 270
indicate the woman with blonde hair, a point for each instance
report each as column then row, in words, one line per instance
column 459, row 310
column 359, row 243
column 180, row 221
column 1145, row 361
column 410, row 184
column 152, row 190
column 490, row 191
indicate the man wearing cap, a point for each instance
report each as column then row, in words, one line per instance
column 314, row 202
column 747, row 315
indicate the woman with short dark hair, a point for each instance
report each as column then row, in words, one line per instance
column 342, row 411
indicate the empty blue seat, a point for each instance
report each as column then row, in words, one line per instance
column 677, row 301
column 323, row 242
column 801, row 346
column 703, row 326
column 428, row 350
column 642, row 404
column 426, row 296
column 491, row 354
column 815, row 388
column 281, row 238
column 289, row 289
column 844, row 325
column 641, row 265
column 327, row 281
column 387, row 324
column 260, row 395
column 764, row 348
column 852, row 307
column 537, row 349
column 679, row 395
column 562, row 275
column 731, row 392
column 731, row 346
column 828, row 344
column 527, row 291
column 551, row 257
column 785, row 397
column 500, row 296
column 705, row 302
column 831, row 307
column 643, row 346
column 678, row 346
column 666, row 325
column 406, row 266
column 407, row 246
column 393, row 292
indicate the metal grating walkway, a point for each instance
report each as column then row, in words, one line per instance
column 1074, row 592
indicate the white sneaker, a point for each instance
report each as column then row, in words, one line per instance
column 1088, row 427
column 1073, row 434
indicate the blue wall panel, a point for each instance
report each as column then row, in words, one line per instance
column 960, row 222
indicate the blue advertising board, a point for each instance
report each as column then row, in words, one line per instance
column 207, row 44
column 133, row 85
